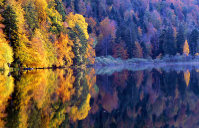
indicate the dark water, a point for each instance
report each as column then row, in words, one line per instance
column 96, row 98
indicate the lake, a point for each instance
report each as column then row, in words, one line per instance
column 108, row 97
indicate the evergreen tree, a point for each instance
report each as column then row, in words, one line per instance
column 161, row 41
column 169, row 42
column 180, row 39
column 193, row 41
column 11, row 28
column 31, row 16
column 60, row 8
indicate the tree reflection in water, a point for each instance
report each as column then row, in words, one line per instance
column 80, row 98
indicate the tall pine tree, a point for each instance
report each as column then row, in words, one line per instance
column 180, row 39
column 193, row 41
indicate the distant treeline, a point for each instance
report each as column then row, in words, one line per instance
column 140, row 28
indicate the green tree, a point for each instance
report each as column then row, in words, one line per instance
column 193, row 41
column 11, row 27
column 31, row 15
column 169, row 42
column 79, row 34
column 180, row 39
column 60, row 8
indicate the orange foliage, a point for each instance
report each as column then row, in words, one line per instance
column 137, row 52
column 90, row 52
column 64, row 50
column 120, row 78
column 107, row 27
column 119, row 51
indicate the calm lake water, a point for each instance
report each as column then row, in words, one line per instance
column 100, row 98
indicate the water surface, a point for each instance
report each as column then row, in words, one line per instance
column 100, row 98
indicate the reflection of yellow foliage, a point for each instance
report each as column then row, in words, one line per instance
column 81, row 112
column 6, row 88
column 187, row 77
column 45, row 97
column 32, row 86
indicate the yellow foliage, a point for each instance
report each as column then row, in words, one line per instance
column 77, row 19
column 41, row 6
column 186, row 48
column 54, row 14
column 17, row 7
column 6, row 53
column 187, row 77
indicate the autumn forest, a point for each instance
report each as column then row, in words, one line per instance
column 55, row 33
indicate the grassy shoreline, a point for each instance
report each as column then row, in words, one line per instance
column 110, row 61
column 169, row 60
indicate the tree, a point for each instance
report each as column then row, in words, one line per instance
column 169, row 42
column 60, row 8
column 41, row 6
column 180, row 39
column 186, row 48
column 193, row 41
column 6, row 52
column 64, row 51
column 31, row 15
column 137, row 51
column 107, row 36
column 11, row 27
column 79, row 34
column 90, row 52
column 119, row 51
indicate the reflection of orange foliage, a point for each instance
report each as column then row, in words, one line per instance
column 110, row 101
column 91, row 78
column 139, row 77
column 65, row 85
column 120, row 78
column 187, row 77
